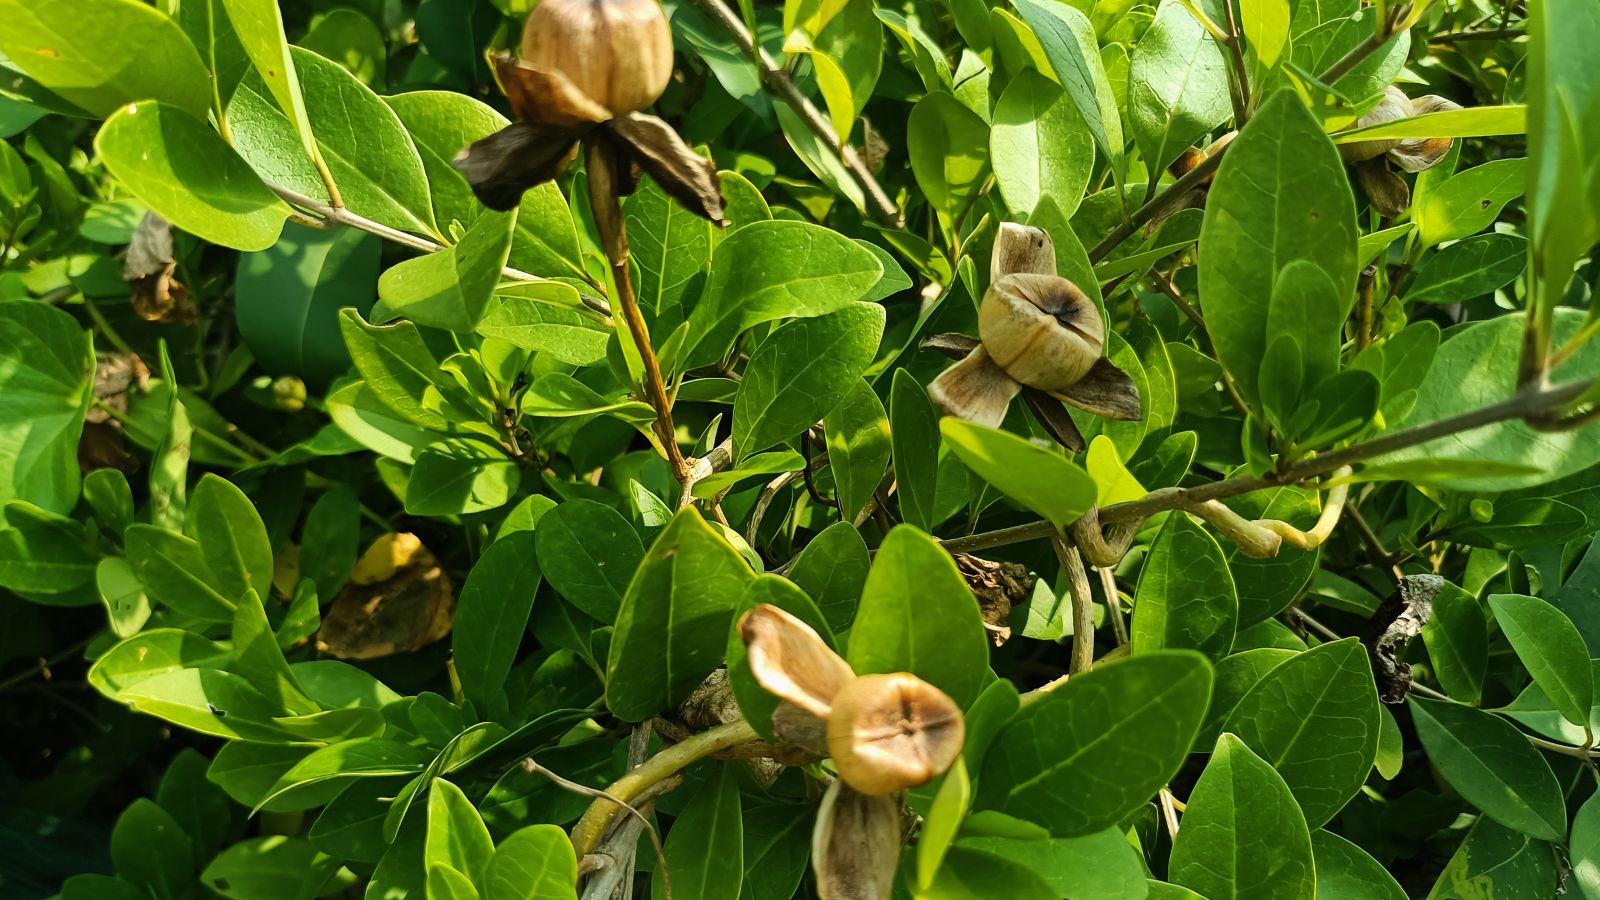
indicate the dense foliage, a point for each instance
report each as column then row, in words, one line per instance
column 358, row 539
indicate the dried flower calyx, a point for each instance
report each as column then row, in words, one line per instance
column 884, row 732
column 1371, row 159
column 587, row 69
column 1037, row 332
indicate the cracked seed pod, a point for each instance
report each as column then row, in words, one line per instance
column 617, row 53
column 855, row 845
column 1410, row 154
column 1038, row 333
column 891, row 732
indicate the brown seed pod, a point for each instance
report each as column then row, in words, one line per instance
column 791, row 661
column 1041, row 330
column 891, row 732
column 1410, row 154
column 855, row 845
column 618, row 53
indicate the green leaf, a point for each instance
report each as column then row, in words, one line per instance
column 847, row 55
column 1243, row 836
column 1471, row 121
column 127, row 605
column 352, row 40
column 175, row 573
column 449, row 289
column 209, row 701
column 949, row 148
column 975, row 875
column 561, row 396
column 1040, row 146
column 1069, row 43
column 102, row 54
column 917, row 615
column 1496, row 861
column 950, row 805
column 257, row 657
column 180, row 168
column 769, row 463
column 1266, row 26
column 1177, row 86
column 287, row 298
column 1467, row 269
column 1302, row 340
column 1143, row 710
column 543, row 316
column 1477, row 367
column 1281, row 195
column 150, row 848
column 1563, row 215
column 1099, row 866
column 858, row 439
column 45, row 363
column 671, row 247
column 1040, row 479
column 232, row 537
column 257, row 25
column 1235, row 676
column 1267, row 586
column 533, row 863
column 491, row 616
column 1347, row 872
column 1457, row 638
column 150, row 653
column 1315, row 720
column 914, row 436
column 705, row 848
column 1185, row 598
column 457, row 836
column 589, row 553
column 1490, row 765
column 274, row 866
column 400, row 370
column 1534, row 709
column 43, row 553
column 460, row 476
column 1584, row 848
column 774, row 270
column 832, row 570
column 800, row 373
column 673, row 625
column 1551, row 648
column 1469, row 201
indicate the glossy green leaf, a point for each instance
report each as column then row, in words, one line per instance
column 1551, row 648
column 150, row 848
column 450, row 288
column 1457, row 637
column 705, row 848
column 1315, row 719
column 671, row 247
column 1068, row 42
column 180, row 168
column 1280, row 195
column 949, row 147
column 800, row 373
column 1347, row 872
column 460, row 476
column 832, row 570
column 1185, row 598
column 1468, row 269
column 209, row 701
column 1489, row 763
column 914, row 436
column 1040, row 479
column 491, row 616
column 1468, row 201
column 457, row 836
column 154, row 651
column 232, row 537
column 1144, row 710
column 1243, row 835
column 175, row 573
column 45, row 362
column 1497, row 861
column 1039, row 145
column 917, row 615
column 269, row 866
column 102, row 54
column 858, row 440
column 755, row 702
column 1177, row 87
column 589, row 553
column 533, row 863
column 672, row 627
column 400, row 370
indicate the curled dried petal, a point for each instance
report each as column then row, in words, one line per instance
column 791, row 661
column 855, row 846
column 975, row 389
column 1387, row 191
column 1021, row 249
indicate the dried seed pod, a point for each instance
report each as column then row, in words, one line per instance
column 1394, row 106
column 618, row 53
column 791, row 661
column 1041, row 329
column 1416, row 154
column 1193, row 156
column 855, row 845
column 891, row 732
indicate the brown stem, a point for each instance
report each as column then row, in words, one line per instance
column 601, row 166
column 1365, row 290
column 777, row 82
column 1239, row 84
column 1082, row 604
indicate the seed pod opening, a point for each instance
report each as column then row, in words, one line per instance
column 891, row 732
column 1041, row 329
column 617, row 52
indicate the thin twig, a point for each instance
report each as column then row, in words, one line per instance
column 338, row 215
column 1239, row 84
column 1524, row 404
column 1082, row 605
column 1108, row 586
column 655, row 838
column 777, row 82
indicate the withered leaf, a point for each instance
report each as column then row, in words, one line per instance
column 546, row 98
column 683, row 174
column 148, row 267
column 1105, row 391
column 398, row 600
column 507, row 163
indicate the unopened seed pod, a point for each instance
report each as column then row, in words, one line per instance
column 891, row 732
column 617, row 52
column 1041, row 330
column 1394, row 106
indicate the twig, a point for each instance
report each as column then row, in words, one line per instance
column 777, row 82
column 1523, row 404
column 1108, row 585
column 1496, row 34
column 1082, row 605
column 587, row 833
column 1239, row 84
column 339, row 215
column 655, row 838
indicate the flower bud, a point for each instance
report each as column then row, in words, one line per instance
column 891, row 732
column 855, row 845
column 618, row 53
column 1041, row 330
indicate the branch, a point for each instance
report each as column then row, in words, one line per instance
column 338, row 215
column 586, row 834
column 1082, row 605
column 777, row 82
column 1524, row 404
